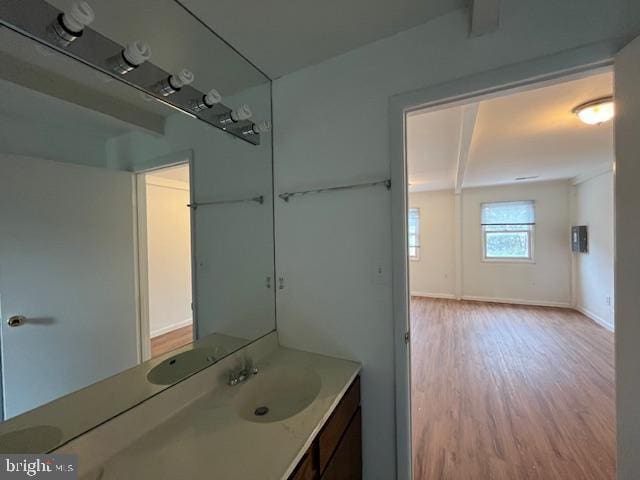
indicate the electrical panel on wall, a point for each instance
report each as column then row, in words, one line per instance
column 579, row 239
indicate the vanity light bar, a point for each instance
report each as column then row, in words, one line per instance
column 68, row 33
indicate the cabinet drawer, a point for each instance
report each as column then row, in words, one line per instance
column 346, row 463
column 336, row 425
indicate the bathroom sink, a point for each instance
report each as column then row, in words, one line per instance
column 38, row 439
column 277, row 394
column 175, row 368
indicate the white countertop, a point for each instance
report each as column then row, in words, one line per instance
column 208, row 438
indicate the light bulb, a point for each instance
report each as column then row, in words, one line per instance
column 133, row 55
column 184, row 77
column 212, row 97
column 262, row 127
column 243, row 112
column 68, row 26
column 78, row 16
column 173, row 83
column 208, row 100
column 258, row 128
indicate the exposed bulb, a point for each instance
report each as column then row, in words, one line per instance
column 212, row 97
column 184, row 77
column 257, row 128
column 243, row 112
column 262, row 127
column 78, row 16
column 68, row 26
column 173, row 83
column 208, row 100
column 136, row 53
column 133, row 55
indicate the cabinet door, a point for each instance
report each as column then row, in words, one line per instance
column 305, row 469
column 346, row 463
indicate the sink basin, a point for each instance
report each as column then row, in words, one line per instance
column 175, row 368
column 38, row 439
column 277, row 394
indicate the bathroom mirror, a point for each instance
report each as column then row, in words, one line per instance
column 136, row 233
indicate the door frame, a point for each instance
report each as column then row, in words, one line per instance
column 143, row 331
column 519, row 76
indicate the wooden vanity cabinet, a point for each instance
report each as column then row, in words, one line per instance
column 336, row 453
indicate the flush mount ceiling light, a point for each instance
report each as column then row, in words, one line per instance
column 595, row 112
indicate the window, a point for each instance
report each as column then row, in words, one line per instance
column 507, row 230
column 414, row 233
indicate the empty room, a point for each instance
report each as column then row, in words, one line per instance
column 511, row 236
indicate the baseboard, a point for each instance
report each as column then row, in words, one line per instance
column 433, row 295
column 170, row 328
column 518, row 301
column 600, row 321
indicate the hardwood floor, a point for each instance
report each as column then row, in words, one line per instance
column 171, row 340
column 510, row 392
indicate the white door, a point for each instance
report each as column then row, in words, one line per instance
column 627, row 298
column 66, row 264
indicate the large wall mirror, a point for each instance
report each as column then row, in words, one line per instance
column 136, row 210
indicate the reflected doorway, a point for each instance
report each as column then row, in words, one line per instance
column 165, row 240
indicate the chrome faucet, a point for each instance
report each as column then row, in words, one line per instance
column 243, row 374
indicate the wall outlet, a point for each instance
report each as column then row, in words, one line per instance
column 607, row 300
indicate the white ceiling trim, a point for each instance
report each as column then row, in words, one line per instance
column 469, row 116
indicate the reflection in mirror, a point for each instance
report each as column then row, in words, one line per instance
column 136, row 242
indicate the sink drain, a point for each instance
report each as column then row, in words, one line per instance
column 260, row 411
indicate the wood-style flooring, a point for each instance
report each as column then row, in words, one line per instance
column 510, row 392
column 169, row 341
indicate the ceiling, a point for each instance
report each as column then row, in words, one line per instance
column 281, row 36
column 179, row 173
column 527, row 134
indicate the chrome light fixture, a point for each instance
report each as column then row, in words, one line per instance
column 132, row 56
column 243, row 112
column 597, row 111
column 68, row 26
column 258, row 128
column 208, row 100
column 173, row 83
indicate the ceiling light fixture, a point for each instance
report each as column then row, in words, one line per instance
column 68, row 26
column 208, row 100
column 595, row 112
column 132, row 56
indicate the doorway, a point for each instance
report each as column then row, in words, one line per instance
column 512, row 348
column 165, row 254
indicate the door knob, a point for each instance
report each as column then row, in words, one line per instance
column 16, row 320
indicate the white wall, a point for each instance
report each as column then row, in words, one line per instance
column 434, row 273
column 593, row 271
column 169, row 256
column 331, row 127
column 546, row 281
column 233, row 242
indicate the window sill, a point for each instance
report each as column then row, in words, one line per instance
column 526, row 261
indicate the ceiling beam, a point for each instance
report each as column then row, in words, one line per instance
column 485, row 17
column 468, row 125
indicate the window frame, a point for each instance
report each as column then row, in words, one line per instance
column 416, row 257
column 530, row 231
